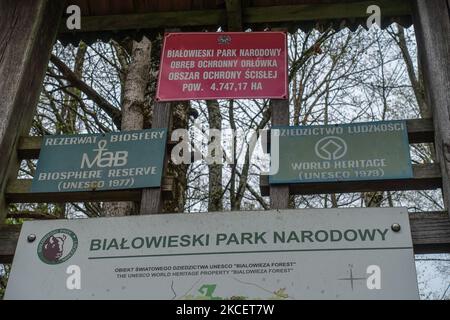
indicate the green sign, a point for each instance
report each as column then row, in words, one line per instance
column 97, row 162
column 350, row 152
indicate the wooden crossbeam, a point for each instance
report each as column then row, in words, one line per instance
column 30, row 215
column 430, row 234
column 250, row 15
column 328, row 11
column 18, row 191
column 419, row 131
column 30, row 147
column 426, row 177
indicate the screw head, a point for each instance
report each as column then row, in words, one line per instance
column 396, row 227
column 31, row 237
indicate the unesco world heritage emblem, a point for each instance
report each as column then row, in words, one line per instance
column 348, row 152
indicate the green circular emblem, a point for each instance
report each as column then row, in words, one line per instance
column 57, row 246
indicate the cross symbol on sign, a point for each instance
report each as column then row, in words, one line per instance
column 352, row 279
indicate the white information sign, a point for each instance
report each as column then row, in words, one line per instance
column 290, row 254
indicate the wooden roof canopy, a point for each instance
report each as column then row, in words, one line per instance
column 116, row 19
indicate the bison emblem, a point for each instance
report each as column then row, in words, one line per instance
column 57, row 246
column 53, row 248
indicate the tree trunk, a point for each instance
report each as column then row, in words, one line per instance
column 69, row 112
column 215, row 197
column 70, row 107
column 417, row 83
column 180, row 120
column 373, row 199
column 134, row 95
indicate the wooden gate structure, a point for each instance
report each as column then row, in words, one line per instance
column 29, row 28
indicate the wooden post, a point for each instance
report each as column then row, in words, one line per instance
column 27, row 33
column 432, row 27
column 152, row 200
column 234, row 14
column 279, row 194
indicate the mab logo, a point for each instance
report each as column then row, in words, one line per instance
column 105, row 159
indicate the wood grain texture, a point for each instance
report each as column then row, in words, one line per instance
column 432, row 26
column 323, row 11
column 178, row 14
column 234, row 15
column 279, row 194
column 419, row 131
column 18, row 191
column 27, row 32
column 426, row 177
column 152, row 199
column 430, row 234
column 9, row 236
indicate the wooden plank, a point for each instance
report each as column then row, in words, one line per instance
column 279, row 194
column 30, row 215
column 30, row 147
column 27, row 31
column 9, row 236
column 324, row 11
column 426, row 177
column 18, row 191
column 152, row 199
column 419, row 131
column 250, row 15
column 234, row 15
column 152, row 20
column 430, row 233
column 432, row 25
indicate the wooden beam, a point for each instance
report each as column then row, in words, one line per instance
column 30, row 215
column 279, row 194
column 9, row 236
column 152, row 20
column 430, row 233
column 18, row 191
column 234, row 15
column 152, row 199
column 432, row 29
column 250, row 15
column 426, row 177
column 27, row 31
column 30, row 147
column 324, row 11
column 419, row 131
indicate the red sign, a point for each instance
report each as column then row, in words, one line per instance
column 223, row 65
